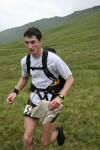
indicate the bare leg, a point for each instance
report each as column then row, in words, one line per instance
column 48, row 134
column 29, row 126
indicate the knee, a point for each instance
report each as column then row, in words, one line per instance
column 44, row 142
column 27, row 139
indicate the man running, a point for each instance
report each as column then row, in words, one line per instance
column 42, row 87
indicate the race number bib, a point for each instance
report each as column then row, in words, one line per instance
column 28, row 109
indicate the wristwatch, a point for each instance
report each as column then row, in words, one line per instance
column 61, row 96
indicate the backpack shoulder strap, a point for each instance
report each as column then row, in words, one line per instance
column 44, row 63
column 50, row 49
column 44, row 58
column 28, row 63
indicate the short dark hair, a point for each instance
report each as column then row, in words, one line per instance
column 33, row 31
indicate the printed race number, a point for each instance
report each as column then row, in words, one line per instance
column 28, row 109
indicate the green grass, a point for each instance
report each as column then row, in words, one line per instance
column 78, row 43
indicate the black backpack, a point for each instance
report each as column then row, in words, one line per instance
column 60, row 81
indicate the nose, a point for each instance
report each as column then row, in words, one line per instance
column 30, row 46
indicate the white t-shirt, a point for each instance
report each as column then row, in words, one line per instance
column 54, row 64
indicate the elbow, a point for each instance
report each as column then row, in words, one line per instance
column 73, row 79
column 25, row 78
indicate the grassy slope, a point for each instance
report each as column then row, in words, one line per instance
column 78, row 44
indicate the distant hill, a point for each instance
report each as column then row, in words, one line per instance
column 16, row 33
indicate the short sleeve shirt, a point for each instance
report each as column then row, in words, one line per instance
column 54, row 64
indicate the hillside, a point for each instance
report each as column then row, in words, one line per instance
column 44, row 24
column 78, row 43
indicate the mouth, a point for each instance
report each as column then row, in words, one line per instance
column 32, row 50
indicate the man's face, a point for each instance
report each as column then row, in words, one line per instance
column 33, row 45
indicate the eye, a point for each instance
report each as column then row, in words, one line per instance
column 32, row 42
column 26, row 42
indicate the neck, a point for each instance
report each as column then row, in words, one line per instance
column 41, row 52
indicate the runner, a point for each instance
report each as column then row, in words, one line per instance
column 45, row 86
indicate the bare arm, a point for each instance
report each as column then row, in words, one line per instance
column 21, row 84
column 67, row 86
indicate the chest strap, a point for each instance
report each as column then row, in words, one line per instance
column 46, row 91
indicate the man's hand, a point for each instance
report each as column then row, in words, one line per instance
column 11, row 97
column 55, row 103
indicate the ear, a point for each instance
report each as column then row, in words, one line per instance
column 40, row 40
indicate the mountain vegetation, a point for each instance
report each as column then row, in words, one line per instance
column 77, row 42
